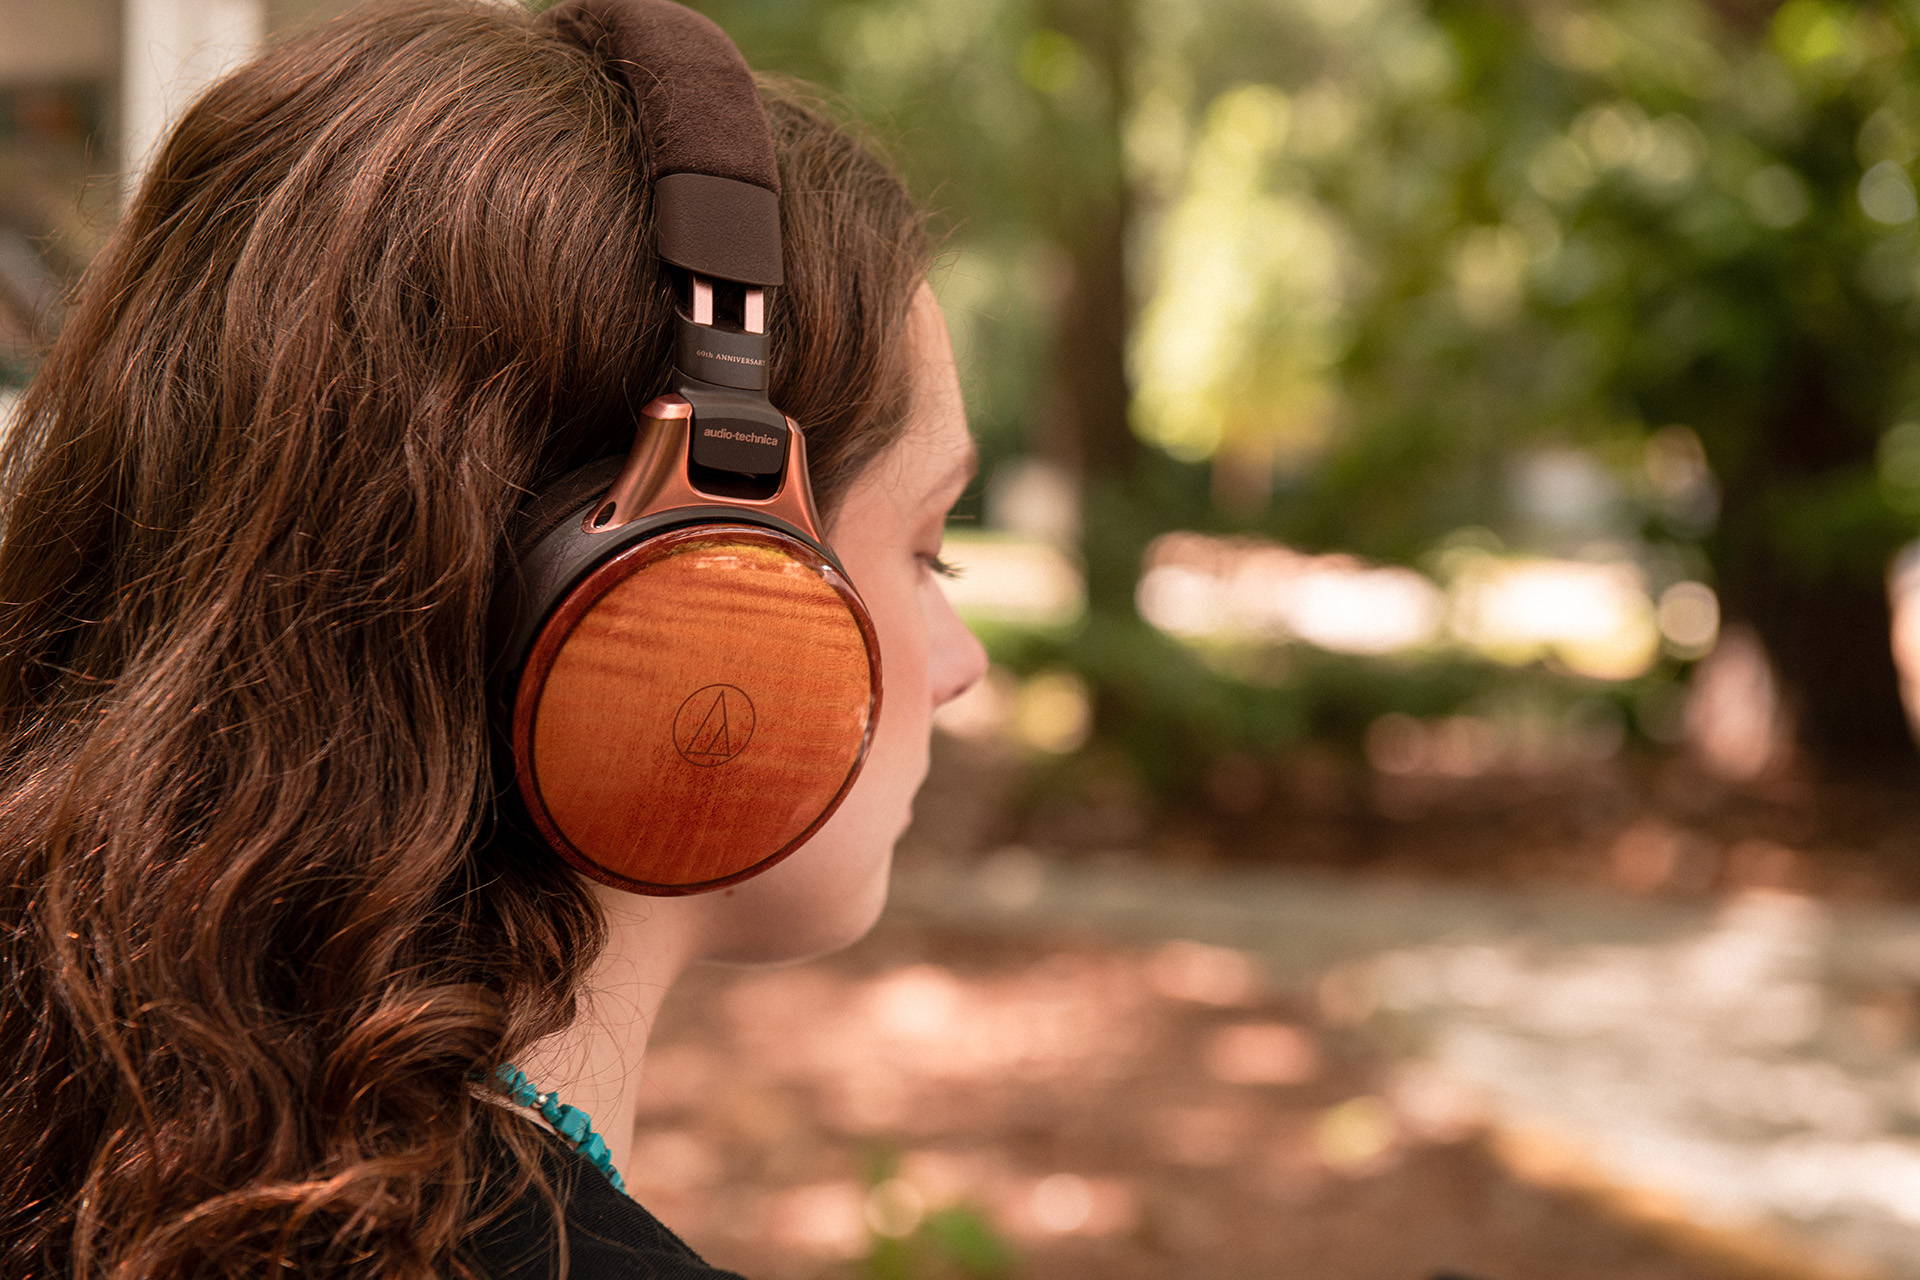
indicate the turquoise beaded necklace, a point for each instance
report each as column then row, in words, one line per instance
column 573, row 1124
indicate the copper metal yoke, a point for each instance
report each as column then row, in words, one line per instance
column 655, row 478
column 761, row 687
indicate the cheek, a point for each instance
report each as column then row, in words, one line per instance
column 900, row 621
column 830, row 891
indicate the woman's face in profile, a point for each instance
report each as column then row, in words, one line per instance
column 887, row 532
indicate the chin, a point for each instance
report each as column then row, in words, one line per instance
column 794, row 912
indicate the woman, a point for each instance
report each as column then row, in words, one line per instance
column 269, row 946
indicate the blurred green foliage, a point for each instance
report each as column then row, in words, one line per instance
column 1390, row 259
column 952, row 1242
column 1189, row 707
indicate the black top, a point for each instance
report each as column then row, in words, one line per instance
column 611, row 1236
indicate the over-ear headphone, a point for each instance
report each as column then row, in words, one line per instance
column 685, row 679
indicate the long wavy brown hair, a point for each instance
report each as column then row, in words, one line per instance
column 259, row 932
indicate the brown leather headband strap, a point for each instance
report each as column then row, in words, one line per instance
column 699, row 115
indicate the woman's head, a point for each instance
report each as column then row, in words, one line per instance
column 380, row 285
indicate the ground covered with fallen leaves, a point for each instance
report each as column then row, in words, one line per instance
column 935, row 1103
column 1047, row 1100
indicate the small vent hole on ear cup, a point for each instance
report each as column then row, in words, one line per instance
column 603, row 515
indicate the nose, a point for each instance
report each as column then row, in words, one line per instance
column 959, row 660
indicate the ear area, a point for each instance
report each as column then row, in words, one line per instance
column 696, row 708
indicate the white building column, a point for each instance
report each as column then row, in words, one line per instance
column 170, row 50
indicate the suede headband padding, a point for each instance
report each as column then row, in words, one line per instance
column 699, row 113
column 698, row 107
column 718, row 227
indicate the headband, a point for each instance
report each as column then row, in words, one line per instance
column 716, row 185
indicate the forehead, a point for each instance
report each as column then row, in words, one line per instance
column 936, row 440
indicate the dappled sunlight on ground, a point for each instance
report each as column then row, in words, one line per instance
column 1752, row 1066
column 1608, row 1022
column 1101, row 1108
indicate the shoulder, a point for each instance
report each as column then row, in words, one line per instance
column 609, row 1236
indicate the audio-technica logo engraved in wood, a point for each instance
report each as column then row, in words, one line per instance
column 713, row 724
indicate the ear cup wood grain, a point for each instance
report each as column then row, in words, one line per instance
column 696, row 707
column 682, row 680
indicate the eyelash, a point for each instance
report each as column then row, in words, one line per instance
column 944, row 568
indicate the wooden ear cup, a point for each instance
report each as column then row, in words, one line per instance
column 695, row 707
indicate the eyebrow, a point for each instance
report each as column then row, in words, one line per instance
column 969, row 467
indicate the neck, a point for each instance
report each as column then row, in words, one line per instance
column 594, row 1064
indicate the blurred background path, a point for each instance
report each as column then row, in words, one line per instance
column 1745, row 1059
column 1122, row 1067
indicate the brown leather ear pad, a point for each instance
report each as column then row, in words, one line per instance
column 697, row 706
column 550, row 551
column 567, row 494
column 521, row 593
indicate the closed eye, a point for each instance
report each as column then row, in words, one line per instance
column 944, row 568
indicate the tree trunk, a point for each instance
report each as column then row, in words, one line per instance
column 1094, row 397
column 1821, row 612
column 1829, row 641
column 1089, row 397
